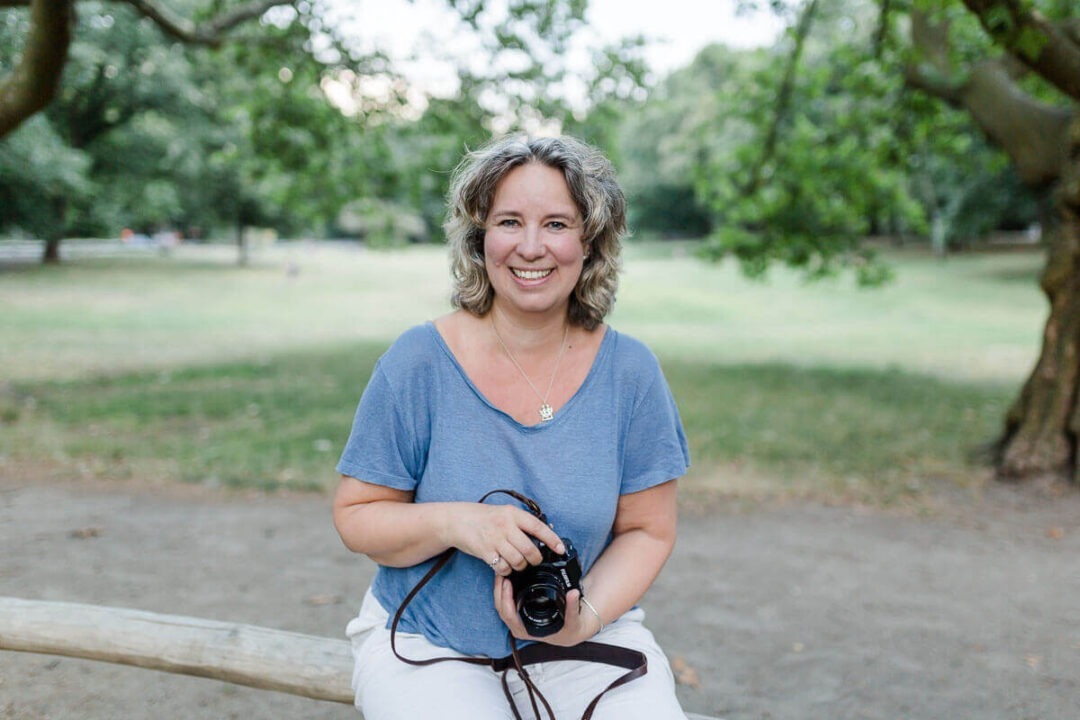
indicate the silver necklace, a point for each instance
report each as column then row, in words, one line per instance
column 546, row 412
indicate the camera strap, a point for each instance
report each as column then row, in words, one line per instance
column 633, row 661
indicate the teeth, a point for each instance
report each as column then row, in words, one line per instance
column 531, row 274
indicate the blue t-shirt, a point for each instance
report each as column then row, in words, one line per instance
column 422, row 426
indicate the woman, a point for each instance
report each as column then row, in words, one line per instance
column 523, row 387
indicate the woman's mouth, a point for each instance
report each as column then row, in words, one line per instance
column 530, row 274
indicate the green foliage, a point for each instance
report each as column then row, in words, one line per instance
column 1030, row 42
column 281, row 127
column 1002, row 27
column 799, row 163
column 40, row 176
column 690, row 115
column 614, row 93
column 810, row 198
column 527, row 49
column 669, row 210
column 129, row 105
column 417, row 157
column 293, row 122
column 381, row 223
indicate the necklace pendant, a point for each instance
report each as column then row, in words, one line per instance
column 546, row 413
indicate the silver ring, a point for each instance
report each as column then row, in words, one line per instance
column 495, row 561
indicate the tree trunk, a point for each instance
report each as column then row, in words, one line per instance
column 243, row 254
column 52, row 250
column 1043, row 425
column 55, row 234
column 33, row 83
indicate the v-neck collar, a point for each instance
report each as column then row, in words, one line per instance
column 601, row 357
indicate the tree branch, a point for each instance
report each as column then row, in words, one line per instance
column 210, row 33
column 32, row 84
column 881, row 34
column 783, row 100
column 1032, row 133
column 1071, row 29
column 1029, row 131
column 1028, row 35
column 931, row 70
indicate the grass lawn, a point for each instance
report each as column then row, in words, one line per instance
column 187, row 368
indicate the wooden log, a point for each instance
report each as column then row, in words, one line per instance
column 258, row 657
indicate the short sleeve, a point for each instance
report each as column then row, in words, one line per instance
column 655, row 448
column 383, row 447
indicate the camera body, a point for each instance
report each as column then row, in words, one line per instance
column 540, row 590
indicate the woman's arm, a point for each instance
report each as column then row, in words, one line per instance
column 387, row 526
column 644, row 535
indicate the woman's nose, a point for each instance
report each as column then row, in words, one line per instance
column 531, row 245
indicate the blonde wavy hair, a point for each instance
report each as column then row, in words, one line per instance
column 590, row 178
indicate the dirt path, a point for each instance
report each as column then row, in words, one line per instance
column 790, row 611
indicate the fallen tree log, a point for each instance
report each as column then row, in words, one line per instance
column 258, row 657
column 315, row 667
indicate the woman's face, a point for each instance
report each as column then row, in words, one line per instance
column 533, row 241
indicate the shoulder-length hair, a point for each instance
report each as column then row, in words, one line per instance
column 590, row 178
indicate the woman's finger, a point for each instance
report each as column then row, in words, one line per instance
column 498, row 599
column 504, row 605
column 499, row 565
column 526, row 546
column 544, row 534
column 513, row 556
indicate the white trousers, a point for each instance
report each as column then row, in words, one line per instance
column 389, row 689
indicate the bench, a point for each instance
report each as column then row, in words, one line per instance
column 315, row 667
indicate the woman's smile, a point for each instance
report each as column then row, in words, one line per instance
column 531, row 274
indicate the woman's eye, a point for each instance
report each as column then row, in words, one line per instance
column 508, row 222
column 556, row 225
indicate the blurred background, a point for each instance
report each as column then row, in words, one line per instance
column 848, row 217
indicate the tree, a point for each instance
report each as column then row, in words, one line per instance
column 524, row 42
column 837, row 141
column 117, row 106
column 31, row 85
column 691, row 119
column 266, row 114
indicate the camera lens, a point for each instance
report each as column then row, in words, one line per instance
column 543, row 606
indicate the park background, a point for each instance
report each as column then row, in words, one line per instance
column 218, row 215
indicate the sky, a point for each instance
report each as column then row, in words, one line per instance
column 681, row 28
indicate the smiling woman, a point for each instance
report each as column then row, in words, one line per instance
column 454, row 413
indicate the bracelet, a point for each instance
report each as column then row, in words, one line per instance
column 589, row 605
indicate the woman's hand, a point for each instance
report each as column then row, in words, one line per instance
column 500, row 535
column 387, row 526
column 577, row 627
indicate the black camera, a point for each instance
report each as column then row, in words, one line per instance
column 540, row 590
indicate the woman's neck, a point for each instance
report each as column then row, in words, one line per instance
column 529, row 334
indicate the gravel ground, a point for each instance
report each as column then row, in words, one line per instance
column 785, row 610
